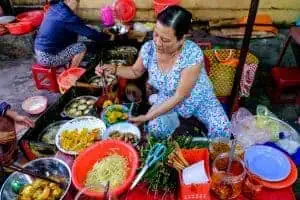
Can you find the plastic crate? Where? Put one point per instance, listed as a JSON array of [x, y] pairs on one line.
[[195, 191]]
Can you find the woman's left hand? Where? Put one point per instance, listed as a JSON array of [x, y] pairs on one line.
[[139, 119]]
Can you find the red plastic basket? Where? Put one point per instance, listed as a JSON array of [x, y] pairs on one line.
[[195, 191], [35, 17], [160, 5], [19, 28]]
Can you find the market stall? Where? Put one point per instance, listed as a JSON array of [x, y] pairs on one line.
[[84, 147]]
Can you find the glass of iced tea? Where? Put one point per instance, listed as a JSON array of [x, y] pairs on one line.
[[227, 185]]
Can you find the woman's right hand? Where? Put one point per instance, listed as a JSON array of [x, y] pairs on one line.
[[107, 68]]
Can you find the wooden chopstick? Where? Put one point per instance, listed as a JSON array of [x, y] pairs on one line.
[[30, 173]]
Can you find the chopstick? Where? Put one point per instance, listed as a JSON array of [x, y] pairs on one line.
[[30, 173], [105, 195]]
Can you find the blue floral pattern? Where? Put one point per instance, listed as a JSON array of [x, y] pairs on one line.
[[202, 102]]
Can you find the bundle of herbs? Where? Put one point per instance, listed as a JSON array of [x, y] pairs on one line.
[[161, 177]]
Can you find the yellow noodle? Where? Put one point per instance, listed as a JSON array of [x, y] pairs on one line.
[[112, 168]]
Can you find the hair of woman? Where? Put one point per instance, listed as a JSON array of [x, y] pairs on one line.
[[177, 18]]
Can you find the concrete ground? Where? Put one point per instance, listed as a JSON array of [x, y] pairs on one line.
[[17, 85]]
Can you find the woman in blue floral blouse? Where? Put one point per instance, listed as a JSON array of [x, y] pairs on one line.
[[176, 70]]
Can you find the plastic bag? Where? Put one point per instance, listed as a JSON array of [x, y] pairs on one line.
[[244, 127], [260, 128]]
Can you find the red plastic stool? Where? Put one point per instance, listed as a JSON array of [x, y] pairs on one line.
[[285, 78], [45, 78]]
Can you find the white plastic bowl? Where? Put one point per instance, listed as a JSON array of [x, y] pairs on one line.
[[35, 105]]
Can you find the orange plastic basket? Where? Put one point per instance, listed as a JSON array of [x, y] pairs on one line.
[[195, 191]]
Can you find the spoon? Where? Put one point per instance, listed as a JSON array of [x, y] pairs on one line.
[[231, 153]]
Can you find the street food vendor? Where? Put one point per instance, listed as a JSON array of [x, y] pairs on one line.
[[56, 42], [176, 70]]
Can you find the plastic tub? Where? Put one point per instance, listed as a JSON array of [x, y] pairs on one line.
[[160, 5], [19, 28], [86, 160], [34, 17]]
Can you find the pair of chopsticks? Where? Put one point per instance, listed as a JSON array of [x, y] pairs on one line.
[[31, 173]]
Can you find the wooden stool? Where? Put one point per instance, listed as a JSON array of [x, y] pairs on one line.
[[45, 78], [286, 78]]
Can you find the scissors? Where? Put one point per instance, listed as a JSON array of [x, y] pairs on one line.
[[155, 154]]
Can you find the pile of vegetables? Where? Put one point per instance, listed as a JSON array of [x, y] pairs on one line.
[[161, 177]]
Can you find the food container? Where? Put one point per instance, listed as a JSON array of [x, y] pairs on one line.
[[218, 146], [252, 186], [123, 128], [88, 122], [19, 28], [34, 17], [86, 160], [35, 105], [45, 166], [86, 110], [227, 185], [7, 19], [114, 114], [222, 145], [98, 81], [49, 133]]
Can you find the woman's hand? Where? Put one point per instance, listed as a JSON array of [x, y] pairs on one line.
[[107, 68], [139, 119], [20, 118]]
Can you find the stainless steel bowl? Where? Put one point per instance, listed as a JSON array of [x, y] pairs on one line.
[[65, 114], [49, 133], [45, 166]]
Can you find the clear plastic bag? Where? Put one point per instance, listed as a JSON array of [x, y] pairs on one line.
[[260, 128]]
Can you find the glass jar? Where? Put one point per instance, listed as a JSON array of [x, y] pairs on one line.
[[252, 186], [217, 146], [227, 185], [222, 145]]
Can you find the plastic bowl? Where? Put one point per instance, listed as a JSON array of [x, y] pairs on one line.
[[7, 19], [35, 105], [86, 160], [104, 116], [19, 28], [34, 17], [123, 127]]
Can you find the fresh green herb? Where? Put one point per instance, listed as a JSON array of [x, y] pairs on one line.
[[161, 177]]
